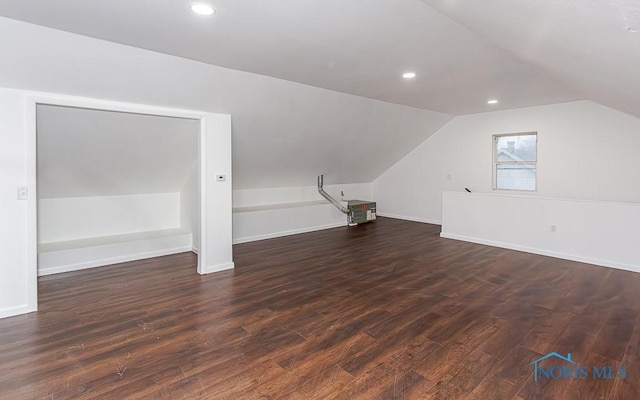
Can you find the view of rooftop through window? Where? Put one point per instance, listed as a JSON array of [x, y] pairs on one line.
[[515, 161]]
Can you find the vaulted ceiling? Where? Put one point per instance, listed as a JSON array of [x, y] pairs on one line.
[[590, 46], [464, 53], [360, 47]]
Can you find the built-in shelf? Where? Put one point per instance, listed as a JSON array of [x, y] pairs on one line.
[[273, 220], [277, 206], [102, 240], [72, 255]]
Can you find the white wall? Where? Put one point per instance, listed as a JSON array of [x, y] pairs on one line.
[[255, 197], [13, 213], [86, 152], [258, 224], [218, 206], [278, 212], [601, 233], [585, 151], [86, 217], [190, 206], [284, 133], [18, 267], [58, 257]]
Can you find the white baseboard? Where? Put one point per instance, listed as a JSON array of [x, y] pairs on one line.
[[219, 267], [543, 252], [111, 260], [271, 235], [13, 311], [195, 250], [406, 218]]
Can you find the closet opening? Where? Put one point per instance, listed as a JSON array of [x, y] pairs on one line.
[[121, 212], [114, 187]]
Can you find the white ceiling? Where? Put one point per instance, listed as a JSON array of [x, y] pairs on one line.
[[85, 152], [357, 46], [284, 133], [592, 46]]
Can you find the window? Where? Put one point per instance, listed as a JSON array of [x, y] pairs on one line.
[[514, 161]]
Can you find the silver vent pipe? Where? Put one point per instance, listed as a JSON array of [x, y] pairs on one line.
[[328, 196]]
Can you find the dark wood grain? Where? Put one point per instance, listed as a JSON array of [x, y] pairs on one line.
[[380, 311]]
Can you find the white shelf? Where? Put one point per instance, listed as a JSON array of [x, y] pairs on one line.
[[277, 206], [72, 255], [102, 240]]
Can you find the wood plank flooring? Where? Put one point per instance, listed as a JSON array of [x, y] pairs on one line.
[[382, 311]]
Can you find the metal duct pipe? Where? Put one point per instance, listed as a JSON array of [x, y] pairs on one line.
[[328, 197]]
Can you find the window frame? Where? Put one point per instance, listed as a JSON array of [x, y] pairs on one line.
[[496, 163]]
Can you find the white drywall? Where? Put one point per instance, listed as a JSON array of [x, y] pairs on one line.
[[217, 210], [259, 224], [86, 152], [601, 233], [284, 132], [190, 206], [57, 257], [267, 213], [257, 197], [18, 241], [585, 151], [13, 213], [86, 217]]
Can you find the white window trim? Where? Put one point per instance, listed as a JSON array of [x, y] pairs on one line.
[[496, 162]]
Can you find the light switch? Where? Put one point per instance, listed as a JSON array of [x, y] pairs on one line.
[[23, 193]]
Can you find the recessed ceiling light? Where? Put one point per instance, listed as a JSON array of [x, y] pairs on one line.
[[202, 9], [409, 75], [492, 102]]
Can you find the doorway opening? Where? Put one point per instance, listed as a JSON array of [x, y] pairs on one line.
[[114, 187], [136, 224]]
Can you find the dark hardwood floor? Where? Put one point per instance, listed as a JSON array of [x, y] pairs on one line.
[[382, 311]]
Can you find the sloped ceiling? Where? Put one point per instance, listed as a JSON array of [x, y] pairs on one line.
[[358, 46], [284, 133], [591, 46], [85, 152], [464, 52]]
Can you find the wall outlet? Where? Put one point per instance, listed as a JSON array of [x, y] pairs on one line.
[[554, 228]]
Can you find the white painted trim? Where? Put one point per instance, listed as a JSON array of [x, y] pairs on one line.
[[272, 235], [32, 99], [194, 249], [533, 250], [202, 190], [118, 106], [112, 260], [13, 311], [414, 219], [32, 205], [220, 267]]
